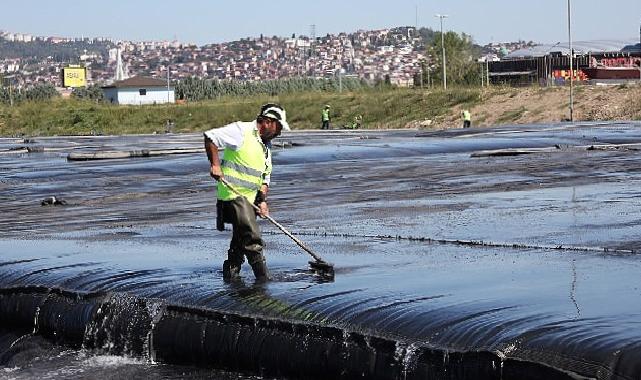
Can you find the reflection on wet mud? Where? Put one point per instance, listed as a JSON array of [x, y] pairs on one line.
[[447, 266]]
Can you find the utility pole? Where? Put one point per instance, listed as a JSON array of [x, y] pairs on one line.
[[312, 38], [487, 72], [443, 49], [547, 61], [9, 79], [571, 62], [168, 98]]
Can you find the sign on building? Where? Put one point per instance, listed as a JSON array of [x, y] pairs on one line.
[[74, 76]]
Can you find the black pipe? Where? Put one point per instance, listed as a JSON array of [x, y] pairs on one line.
[[119, 323]]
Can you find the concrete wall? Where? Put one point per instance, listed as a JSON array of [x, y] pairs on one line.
[[132, 96]]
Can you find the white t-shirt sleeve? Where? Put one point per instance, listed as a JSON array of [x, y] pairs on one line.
[[230, 136], [267, 177]]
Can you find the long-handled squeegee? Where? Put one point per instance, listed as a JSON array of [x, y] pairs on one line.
[[320, 266]]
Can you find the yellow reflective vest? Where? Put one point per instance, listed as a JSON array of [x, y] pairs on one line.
[[246, 168], [325, 115]]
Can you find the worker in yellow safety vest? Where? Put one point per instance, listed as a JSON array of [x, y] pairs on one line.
[[467, 119], [325, 117], [247, 166]]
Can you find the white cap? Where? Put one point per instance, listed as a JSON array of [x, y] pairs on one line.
[[276, 112]]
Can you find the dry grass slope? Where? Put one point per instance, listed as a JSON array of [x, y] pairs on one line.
[[380, 108]]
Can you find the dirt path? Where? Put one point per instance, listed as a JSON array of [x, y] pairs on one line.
[[541, 105]]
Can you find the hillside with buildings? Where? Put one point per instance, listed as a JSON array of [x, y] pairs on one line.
[[397, 56], [393, 54], [391, 58]]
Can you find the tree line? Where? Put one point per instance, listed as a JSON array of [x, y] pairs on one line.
[[39, 92], [195, 89]]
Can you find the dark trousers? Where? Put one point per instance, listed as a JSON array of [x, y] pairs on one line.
[[325, 124], [467, 124], [246, 238]]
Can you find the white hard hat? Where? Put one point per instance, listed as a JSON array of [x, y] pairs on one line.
[[275, 112]]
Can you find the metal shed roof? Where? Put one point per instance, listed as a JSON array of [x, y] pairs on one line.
[[581, 47], [138, 81]]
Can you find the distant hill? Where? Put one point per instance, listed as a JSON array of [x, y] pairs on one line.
[[391, 54], [38, 51], [68, 52]]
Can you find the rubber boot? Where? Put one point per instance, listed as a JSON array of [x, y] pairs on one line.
[[230, 271], [260, 271]]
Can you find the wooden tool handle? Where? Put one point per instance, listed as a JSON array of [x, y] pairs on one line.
[[274, 222]]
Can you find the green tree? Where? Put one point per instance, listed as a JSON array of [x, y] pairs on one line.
[[41, 92], [37, 93], [427, 35], [88, 93], [460, 54]]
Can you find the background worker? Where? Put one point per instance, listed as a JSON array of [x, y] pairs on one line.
[[247, 166], [358, 121], [467, 119], [325, 117]]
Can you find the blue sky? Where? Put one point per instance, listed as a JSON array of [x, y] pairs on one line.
[[202, 21]]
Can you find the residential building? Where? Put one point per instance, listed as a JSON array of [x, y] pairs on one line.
[[138, 91]]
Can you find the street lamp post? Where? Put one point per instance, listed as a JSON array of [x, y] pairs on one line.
[[571, 62], [9, 80], [548, 64], [487, 73], [168, 97], [443, 49]]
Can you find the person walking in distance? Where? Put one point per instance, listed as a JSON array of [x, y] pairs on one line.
[[467, 119], [247, 167], [325, 117]]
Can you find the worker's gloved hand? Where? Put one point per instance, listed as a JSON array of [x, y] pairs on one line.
[[261, 203], [216, 172], [264, 209]]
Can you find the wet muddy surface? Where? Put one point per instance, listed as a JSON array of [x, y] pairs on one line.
[[510, 262]]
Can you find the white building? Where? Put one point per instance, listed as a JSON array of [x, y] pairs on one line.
[[139, 91]]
